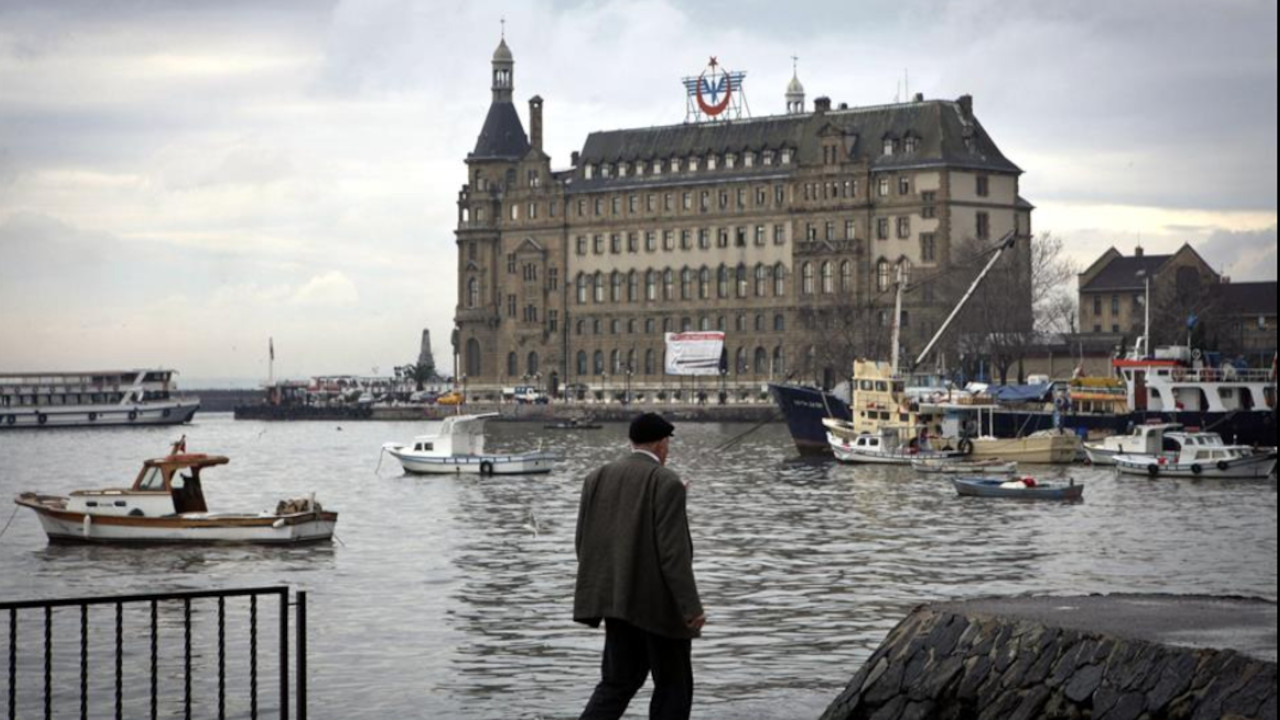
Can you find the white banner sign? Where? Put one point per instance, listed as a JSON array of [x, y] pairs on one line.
[[694, 353]]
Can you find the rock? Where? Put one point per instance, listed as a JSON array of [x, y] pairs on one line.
[[1032, 704], [1084, 684]]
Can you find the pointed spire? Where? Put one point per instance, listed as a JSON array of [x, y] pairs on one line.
[[795, 90]]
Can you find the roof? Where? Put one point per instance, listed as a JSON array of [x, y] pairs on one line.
[[1249, 298], [940, 127], [502, 53], [1122, 273], [502, 137]]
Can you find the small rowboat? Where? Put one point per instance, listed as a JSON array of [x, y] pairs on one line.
[[993, 466], [1021, 489]]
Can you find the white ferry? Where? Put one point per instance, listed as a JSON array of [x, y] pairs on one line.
[[92, 399]]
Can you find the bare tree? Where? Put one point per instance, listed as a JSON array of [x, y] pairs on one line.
[[1053, 287]]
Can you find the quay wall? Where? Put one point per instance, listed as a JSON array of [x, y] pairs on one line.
[[509, 412], [961, 662]]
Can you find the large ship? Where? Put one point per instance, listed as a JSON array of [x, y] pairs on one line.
[[106, 398]]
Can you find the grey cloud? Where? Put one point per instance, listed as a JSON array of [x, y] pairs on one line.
[[1243, 255]]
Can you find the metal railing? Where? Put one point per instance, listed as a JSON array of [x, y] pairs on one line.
[[146, 611]]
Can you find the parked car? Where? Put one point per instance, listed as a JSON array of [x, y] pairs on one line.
[[451, 398]]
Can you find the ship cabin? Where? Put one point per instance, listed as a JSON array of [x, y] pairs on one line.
[[1179, 379], [111, 387], [879, 401], [165, 486]]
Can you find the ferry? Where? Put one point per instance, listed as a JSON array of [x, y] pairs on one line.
[[98, 398]]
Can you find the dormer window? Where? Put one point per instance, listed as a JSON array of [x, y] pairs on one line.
[[768, 157], [786, 157], [605, 170], [888, 146], [711, 162], [749, 159], [639, 169], [622, 170], [693, 164], [589, 171], [730, 160], [675, 165], [910, 144], [657, 167]]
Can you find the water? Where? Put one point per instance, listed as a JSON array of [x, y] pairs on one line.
[[452, 598]]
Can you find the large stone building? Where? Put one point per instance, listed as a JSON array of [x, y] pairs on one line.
[[777, 230]]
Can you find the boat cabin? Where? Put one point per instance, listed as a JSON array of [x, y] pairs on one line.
[[1202, 448], [165, 486], [878, 401], [461, 435], [1179, 379]]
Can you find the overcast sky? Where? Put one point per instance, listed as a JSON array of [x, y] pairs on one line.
[[180, 181]]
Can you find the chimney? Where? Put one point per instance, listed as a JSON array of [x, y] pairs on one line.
[[535, 122], [822, 105], [966, 106], [919, 97], [1138, 252], [573, 158]]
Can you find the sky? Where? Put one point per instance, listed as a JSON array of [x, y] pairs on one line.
[[182, 181]]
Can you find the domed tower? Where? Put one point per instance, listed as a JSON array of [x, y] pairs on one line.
[[795, 93], [502, 136]]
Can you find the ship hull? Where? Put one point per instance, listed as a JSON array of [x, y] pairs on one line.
[[176, 412]]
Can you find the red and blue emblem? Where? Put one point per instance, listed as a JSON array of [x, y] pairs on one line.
[[712, 85]]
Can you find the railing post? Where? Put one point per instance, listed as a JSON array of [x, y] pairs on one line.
[[13, 664], [301, 699], [284, 654]]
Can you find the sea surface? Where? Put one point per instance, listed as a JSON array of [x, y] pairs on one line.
[[452, 597]]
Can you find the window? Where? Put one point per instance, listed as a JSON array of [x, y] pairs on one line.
[[582, 362], [651, 286], [741, 277], [615, 287], [511, 264], [887, 146], [850, 230], [983, 186], [882, 187], [882, 228], [599, 287], [779, 323], [473, 293], [722, 282], [882, 275], [686, 284], [615, 244], [633, 286], [704, 284], [779, 194], [742, 198], [553, 321], [722, 237], [633, 242], [686, 239], [1115, 304], [830, 229], [649, 362], [984, 226], [740, 235], [669, 285], [553, 278], [846, 277], [582, 289], [928, 247], [597, 364], [762, 281], [904, 185], [910, 143], [928, 198], [704, 239], [650, 241], [688, 201], [597, 244], [511, 306], [779, 234], [513, 365], [828, 279], [806, 279], [1097, 305], [904, 228], [779, 280]]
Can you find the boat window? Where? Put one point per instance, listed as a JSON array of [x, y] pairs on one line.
[[179, 482], [865, 385], [882, 386], [152, 480], [1170, 445]]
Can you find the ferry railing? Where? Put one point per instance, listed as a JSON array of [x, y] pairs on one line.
[[44, 666]]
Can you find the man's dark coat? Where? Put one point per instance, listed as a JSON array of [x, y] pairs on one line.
[[635, 554]]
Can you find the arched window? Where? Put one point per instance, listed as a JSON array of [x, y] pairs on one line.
[[779, 361], [779, 323], [513, 365], [762, 280], [473, 293], [595, 326], [686, 324], [651, 286], [760, 323], [779, 280], [669, 284], [648, 362], [904, 264], [882, 275], [828, 279], [740, 323], [582, 327], [741, 365], [599, 287], [742, 280], [633, 286], [631, 361], [473, 364], [704, 284], [762, 361], [846, 277], [806, 279], [615, 362], [686, 284], [598, 362], [582, 362], [615, 285], [533, 364], [582, 289], [704, 323], [722, 282]]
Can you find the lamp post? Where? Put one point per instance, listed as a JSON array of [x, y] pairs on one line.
[[606, 388], [627, 399], [724, 385]]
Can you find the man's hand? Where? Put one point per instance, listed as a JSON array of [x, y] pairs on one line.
[[698, 622]]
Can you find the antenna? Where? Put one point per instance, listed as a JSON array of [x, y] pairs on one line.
[[503, 21]]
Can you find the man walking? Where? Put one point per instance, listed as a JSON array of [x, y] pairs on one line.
[[635, 572]]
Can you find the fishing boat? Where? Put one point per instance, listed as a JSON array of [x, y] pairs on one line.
[[881, 448], [456, 446], [1020, 488], [98, 398], [1142, 440], [1200, 455], [989, 466], [166, 504]]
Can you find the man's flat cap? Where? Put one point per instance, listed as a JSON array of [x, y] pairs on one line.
[[650, 428]]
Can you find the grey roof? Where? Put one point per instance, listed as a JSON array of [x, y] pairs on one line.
[[502, 53], [502, 137], [1249, 298], [1122, 273], [939, 126]]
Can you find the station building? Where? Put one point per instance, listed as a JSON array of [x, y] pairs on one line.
[[771, 229]]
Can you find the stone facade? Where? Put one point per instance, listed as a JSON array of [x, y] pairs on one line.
[[775, 230]]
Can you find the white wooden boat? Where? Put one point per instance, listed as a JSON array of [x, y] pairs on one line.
[[1142, 440], [1200, 455], [986, 466], [99, 398], [166, 504], [882, 448], [456, 446]]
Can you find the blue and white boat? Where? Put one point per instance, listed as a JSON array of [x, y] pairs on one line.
[[456, 446]]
